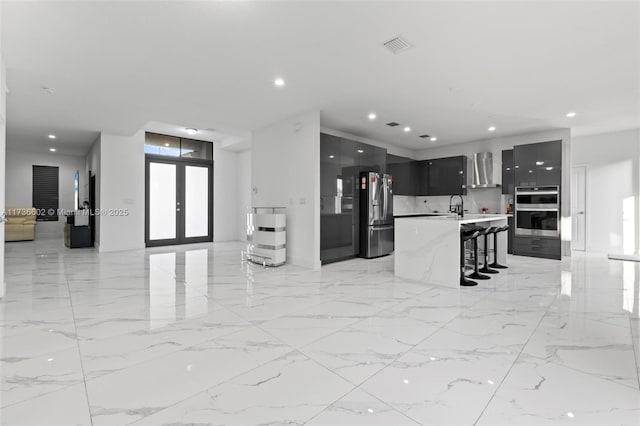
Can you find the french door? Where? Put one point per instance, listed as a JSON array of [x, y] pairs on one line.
[[179, 201]]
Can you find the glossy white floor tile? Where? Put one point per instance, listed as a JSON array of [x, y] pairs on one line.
[[190, 335]]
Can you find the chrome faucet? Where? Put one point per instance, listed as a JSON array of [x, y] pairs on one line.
[[458, 208]]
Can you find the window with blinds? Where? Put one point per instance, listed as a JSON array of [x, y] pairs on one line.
[[45, 192]]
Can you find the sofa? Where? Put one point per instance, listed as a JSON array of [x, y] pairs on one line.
[[21, 224]]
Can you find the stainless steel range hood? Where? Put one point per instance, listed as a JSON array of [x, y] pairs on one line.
[[481, 169]]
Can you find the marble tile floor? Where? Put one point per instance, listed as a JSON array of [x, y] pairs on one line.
[[190, 335]]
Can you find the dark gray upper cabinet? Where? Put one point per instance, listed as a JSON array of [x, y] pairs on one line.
[[405, 175], [549, 163], [538, 164], [441, 176], [508, 174], [447, 175], [423, 178]]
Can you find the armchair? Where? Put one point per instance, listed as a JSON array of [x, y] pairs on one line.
[[21, 224]]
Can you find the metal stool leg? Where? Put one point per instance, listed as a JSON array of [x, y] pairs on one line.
[[495, 263], [485, 268], [476, 275], [464, 282]]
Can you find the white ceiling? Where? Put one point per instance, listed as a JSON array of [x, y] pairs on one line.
[[118, 66]]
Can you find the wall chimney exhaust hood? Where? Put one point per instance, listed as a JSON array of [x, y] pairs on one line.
[[481, 168]]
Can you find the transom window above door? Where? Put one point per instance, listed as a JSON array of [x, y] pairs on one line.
[[171, 146]]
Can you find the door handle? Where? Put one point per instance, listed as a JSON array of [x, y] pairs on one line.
[[580, 212]]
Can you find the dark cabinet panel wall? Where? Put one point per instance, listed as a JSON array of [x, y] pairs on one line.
[[341, 161], [508, 175], [538, 164]]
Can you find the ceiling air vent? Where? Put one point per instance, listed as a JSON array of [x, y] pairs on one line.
[[423, 136], [393, 124], [397, 45]]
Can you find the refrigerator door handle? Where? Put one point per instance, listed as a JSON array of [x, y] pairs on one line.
[[381, 227]]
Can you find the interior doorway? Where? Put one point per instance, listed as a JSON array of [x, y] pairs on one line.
[[578, 207], [179, 201]]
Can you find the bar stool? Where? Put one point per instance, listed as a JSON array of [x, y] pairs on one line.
[[495, 263], [466, 234], [476, 275], [485, 268]]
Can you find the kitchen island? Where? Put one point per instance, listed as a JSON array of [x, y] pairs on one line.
[[427, 248]]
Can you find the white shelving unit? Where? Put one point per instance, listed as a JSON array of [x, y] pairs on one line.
[[267, 236]]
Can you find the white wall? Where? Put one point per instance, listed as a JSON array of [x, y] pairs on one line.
[[225, 194], [92, 164], [19, 183], [391, 149], [612, 209], [243, 202], [286, 172], [3, 122], [122, 186], [496, 146]]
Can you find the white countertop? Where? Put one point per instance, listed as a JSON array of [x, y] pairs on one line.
[[468, 218], [420, 214]]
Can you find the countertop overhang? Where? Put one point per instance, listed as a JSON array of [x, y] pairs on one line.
[[468, 218]]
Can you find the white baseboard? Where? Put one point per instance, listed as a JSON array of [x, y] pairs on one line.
[[627, 257]]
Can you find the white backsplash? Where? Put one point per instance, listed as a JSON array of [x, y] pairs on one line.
[[489, 198]]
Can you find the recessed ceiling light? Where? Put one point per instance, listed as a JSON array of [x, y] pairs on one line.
[[51, 136], [549, 168], [508, 168], [530, 171], [52, 149], [191, 131], [571, 114], [539, 163], [433, 139], [492, 129], [332, 156], [360, 151], [166, 144], [279, 82], [407, 129], [372, 116]]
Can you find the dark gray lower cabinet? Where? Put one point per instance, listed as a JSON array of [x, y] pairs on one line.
[[337, 237], [548, 248], [512, 223]]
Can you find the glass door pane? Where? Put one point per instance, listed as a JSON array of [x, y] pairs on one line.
[[162, 201], [196, 192]]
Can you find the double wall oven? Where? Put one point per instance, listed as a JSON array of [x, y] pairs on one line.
[[538, 211]]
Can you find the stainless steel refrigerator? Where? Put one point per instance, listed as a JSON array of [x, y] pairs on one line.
[[376, 214]]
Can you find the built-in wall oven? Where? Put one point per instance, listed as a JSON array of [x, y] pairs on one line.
[[538, 211]]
